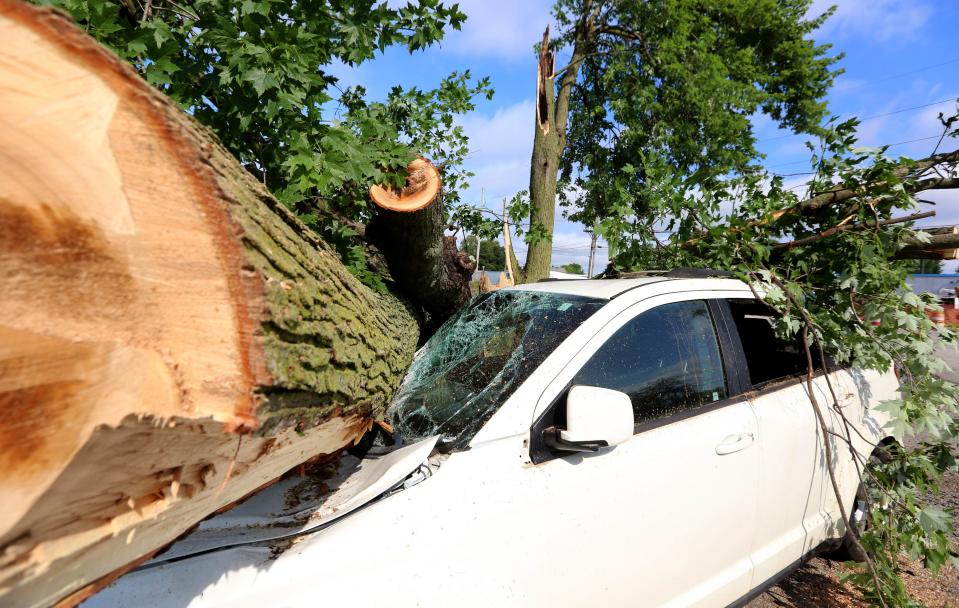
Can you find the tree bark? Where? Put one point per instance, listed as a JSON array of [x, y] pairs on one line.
[[423, 262], [549, 143], [171, 337], [938, 247]]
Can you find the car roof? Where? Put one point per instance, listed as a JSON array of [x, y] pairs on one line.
[[607, 289]]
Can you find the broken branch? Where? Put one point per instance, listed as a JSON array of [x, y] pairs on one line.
[[844, 227]]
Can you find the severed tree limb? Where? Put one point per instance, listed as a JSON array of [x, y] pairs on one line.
[[409, 230], [840, 195], [844, 227], [934, 249], [422, 261]]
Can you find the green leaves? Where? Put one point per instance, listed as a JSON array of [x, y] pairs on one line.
[[934, 519], [261, 80], [665, 95]]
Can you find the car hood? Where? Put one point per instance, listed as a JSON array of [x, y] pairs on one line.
[[295, 506]]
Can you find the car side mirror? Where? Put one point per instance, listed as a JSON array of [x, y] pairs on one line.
[[595, 418]]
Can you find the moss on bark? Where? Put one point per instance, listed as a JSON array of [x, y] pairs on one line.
[[332, 346]]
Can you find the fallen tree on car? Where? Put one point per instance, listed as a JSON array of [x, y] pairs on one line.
[[171, 337]]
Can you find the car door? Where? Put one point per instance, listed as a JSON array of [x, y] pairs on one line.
[[790, 520], [666, 518]]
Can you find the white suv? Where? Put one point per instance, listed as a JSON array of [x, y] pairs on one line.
[[641, 442]]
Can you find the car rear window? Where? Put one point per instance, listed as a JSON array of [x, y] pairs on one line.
[[769, 357]]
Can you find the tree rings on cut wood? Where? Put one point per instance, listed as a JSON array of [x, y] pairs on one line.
[[422, 187]]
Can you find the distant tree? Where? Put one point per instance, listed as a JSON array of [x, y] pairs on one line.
[[925, 267], [573, 268], [492, 254]]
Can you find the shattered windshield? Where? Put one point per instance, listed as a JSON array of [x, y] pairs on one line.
[[468, 369]]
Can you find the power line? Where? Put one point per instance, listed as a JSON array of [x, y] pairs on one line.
[[872, 117], [917, 70], [898, 143]]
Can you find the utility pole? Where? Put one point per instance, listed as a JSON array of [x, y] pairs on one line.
[[592, 253]]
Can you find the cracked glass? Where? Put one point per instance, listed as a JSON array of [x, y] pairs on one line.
[[478, 358]]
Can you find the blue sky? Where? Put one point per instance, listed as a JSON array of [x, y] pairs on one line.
[[900, 54]]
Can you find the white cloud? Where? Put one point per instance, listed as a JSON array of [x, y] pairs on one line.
[[508, 132], [881, 20], [570, 244], [500, 149], [501, 29], [845, 84]]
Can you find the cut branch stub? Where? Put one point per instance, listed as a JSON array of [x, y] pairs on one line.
[[422, 187]]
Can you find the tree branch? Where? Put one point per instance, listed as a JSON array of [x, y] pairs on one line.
[[844, 227], [851, 532], [930, 250], [615, 30], [839, 195]]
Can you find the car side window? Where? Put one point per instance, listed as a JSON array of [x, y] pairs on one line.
[[768, 357], [666, 359]]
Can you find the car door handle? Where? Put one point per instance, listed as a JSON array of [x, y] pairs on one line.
[[734, 443]]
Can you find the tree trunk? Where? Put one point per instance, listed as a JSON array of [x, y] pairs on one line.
[[549, 143], [171, 337], [423, 262], [542, 193]]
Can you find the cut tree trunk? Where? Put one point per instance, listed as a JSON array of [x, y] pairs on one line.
[[171, 337], [422, 261], [409, 230]]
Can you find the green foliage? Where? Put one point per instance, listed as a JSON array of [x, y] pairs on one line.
[[573, 268], [902, 524], [666, 91], [519, 210], [848, 289], [492, 255], [258, 73]]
